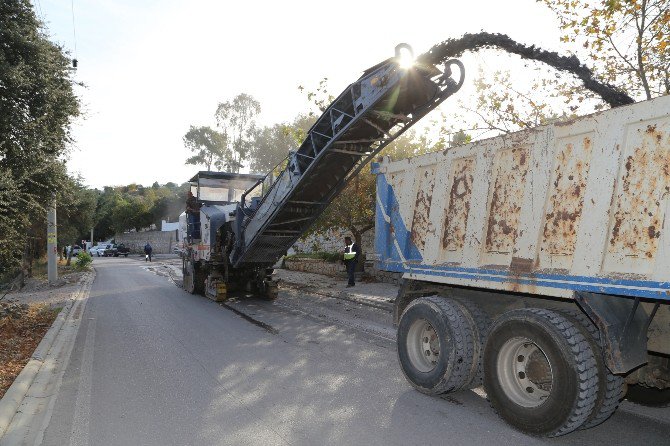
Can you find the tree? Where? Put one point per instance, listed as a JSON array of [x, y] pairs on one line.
[[38, 106], [502, 104], [272, 144], [627, 40], [135, 207], [354, 208], [237, 120], [208, 147], [76, 207]]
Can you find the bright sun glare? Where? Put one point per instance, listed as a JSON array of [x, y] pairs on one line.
[[405, 55]]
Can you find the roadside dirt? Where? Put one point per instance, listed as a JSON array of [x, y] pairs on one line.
[[25, 317], [474, 42], [22, 327]]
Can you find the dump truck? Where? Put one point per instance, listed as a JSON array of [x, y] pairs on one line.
[[536, 263], [237, 226]]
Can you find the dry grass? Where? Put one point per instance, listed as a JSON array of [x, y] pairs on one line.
[[19, 336]]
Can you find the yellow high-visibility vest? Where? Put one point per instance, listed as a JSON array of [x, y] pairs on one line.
[[351, 254]]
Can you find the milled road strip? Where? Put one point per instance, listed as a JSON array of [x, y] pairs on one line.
[[26, 408]]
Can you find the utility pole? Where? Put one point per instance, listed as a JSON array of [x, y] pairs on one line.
[[52, 248], [92, 238]]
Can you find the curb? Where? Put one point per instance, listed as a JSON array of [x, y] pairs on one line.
[[344, 295], [14, 396]]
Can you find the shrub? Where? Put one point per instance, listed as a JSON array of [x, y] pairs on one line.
[[84, 259]]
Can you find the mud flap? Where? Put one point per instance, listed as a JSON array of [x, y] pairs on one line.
[[623, 325]]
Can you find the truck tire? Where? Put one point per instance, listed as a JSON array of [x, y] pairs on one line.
[[435, 345], [540, 372], [271, 291], [611, 387], [480, 323], [194, 280]]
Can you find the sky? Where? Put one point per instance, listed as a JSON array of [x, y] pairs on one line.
[[153, 68]]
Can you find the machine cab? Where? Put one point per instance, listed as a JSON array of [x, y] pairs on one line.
[[221, 187], [214, 195]]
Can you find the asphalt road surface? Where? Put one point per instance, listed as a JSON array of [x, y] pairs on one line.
[[153, 365]]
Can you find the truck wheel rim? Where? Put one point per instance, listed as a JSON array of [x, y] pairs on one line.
[[524, 372], [423, 345]]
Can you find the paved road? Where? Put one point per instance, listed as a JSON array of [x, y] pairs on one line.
[[153, 365]]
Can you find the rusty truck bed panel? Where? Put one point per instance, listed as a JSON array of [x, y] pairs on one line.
[[552, 210]]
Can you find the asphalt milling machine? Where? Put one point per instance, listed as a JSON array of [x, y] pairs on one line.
[[237, 226]]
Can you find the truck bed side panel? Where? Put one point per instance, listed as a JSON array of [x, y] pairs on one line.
[[553, 210]]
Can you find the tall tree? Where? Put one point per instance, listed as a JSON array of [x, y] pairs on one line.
[[272, 144], [627, 40], [37, 106], [626, 43], [237, 120], [208, 146]]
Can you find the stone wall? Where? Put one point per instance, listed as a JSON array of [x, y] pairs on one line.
[[317, 266], [384, 276], [161, 242], [333, 241], [337, 269]]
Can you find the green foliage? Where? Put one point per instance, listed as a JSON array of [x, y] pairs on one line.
[[272, 144], [84, 260], [627, 41], [38, 105], [208, 146], [75, 211], [237, 121], [128, 207]]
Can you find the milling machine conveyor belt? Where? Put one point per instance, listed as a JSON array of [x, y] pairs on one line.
[[368, 115]]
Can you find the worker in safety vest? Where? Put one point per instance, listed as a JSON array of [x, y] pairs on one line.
[[351, 254]]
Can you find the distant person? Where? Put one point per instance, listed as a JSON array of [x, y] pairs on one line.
[[192, 205], [147, 252], [351, 254]]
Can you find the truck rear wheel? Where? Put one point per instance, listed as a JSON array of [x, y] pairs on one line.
[[480, 323], [610, 386], [540, 372], [435, 345]]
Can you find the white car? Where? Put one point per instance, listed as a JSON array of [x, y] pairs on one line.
[[99, 250]]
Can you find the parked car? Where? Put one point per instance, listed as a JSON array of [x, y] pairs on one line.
[[76, 249], [99, 250], [117, 250]]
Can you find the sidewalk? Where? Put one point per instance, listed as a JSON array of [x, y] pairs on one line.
[[374, 294], [25, 409]]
